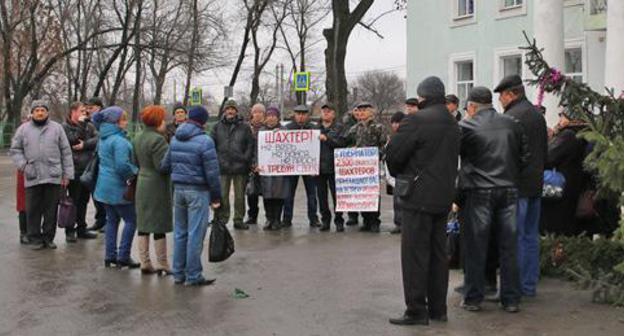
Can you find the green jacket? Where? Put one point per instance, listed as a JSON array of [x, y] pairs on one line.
[[153, 194]]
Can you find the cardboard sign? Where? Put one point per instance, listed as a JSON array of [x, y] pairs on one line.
[[288, 153], [357, 179]]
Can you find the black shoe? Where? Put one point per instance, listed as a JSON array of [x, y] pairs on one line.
[[324, 227], [178, 281], [128, 263], [70, 237], [439, 318], [365, 228], [96, 227], [286, 223], [471, 307], [273, 226], [24, 239], [110, 263], [202, 282], [36, 246], [407, 320], [86, 235], [340, 228], [241, 226], [102, 229], [251, 221], [511, 308], [352, 222], [315, 223], [375, 228], [396, 230], [50, 245]]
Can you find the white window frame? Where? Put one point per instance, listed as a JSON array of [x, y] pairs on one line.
[[456, 20], [578, 43], [501, 53], [511, 11], [454, 59]]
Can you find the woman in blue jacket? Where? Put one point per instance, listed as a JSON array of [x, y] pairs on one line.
[[115, 171], [194, 168]]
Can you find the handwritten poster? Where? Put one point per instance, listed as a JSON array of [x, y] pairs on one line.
[[357, 179], [283, 152]]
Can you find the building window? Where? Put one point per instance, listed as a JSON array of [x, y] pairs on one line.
[[464, 79], [597, 7], [465, 8], [574, 64], [512, 3], [511, 65]]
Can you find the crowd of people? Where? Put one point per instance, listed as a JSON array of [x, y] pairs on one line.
[[485, 165]]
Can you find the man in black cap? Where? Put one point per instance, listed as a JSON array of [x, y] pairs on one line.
[[422, 156], [301, 121], [513, 99], [92, 106], [452, 104], [332, 137], [411, 106], [488, 182]]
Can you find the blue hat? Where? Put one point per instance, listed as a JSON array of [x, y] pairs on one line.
[[198, 114], [109, 115]]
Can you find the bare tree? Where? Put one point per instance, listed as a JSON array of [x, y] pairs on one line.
[[384, 89]]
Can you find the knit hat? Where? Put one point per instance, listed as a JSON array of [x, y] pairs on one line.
[[231, 103], [39, 103], [179, 107], [274, 111], [109, 115], [198, 114], [430, 88]]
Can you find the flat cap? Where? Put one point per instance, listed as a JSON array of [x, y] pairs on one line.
[[509, 82], [301, 109], [363, 104], [328, 106], [481, 95], [411, 101]]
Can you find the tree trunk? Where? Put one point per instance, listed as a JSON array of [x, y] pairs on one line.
[[137, 79], [191, 61]]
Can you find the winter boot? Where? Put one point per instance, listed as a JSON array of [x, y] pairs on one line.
[[144, 255], [163, 268]]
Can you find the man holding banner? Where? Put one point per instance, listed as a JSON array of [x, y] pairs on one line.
[[368, 133]]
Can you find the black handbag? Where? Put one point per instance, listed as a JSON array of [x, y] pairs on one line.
[[90, 174], [253, 187], [221, 243]]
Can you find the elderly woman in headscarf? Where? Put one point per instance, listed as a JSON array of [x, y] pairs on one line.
[[116, 170]]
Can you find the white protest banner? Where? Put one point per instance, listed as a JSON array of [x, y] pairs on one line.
[[282, 152], [357, 179]]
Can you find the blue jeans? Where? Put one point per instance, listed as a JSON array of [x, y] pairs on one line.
[[192, 211], [114, 213], [310, 183], [529, 210], [490, 214]]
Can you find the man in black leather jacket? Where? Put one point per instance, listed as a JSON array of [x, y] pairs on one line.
[[494, 152], [423, 155]]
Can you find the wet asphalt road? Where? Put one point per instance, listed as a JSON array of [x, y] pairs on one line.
[[300, 282]]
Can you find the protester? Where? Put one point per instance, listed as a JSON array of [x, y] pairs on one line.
[[275, 189], [302, 122], [256, 122], [192, 162], [411, 106], [513, 99], [368, 133], [92, 106], [83, 138], [494, 151], [349, 120], [423, 156], [116, 170], [235, 146], [452, 105], [331, 138], [395, 122], [566, 154], [153, 198], [46, 169], [179, 116]]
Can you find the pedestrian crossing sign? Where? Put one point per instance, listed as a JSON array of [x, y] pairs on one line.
[[302, 81], [196, 97]]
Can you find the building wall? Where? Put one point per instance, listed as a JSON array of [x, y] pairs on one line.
[[435, 41]]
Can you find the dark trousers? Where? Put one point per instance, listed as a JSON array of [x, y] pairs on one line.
[[100, 213], [273, 209], [327, 182], [490, 211], [252, 206], [80, 195], [42, 202], [310, 183], [353, 216], [397, 211], [22, 223], [424, 263]]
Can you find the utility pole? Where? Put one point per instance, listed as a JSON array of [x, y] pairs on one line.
[[282, 91], [175, 88]]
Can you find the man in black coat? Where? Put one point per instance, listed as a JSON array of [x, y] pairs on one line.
[[494, 152], [235, 149], [83, 138], [331, 138], [516, 105], [423, 157], [301, 121]]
